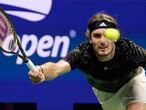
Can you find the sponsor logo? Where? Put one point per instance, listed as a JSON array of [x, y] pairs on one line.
[[33, 10], [102, 24]]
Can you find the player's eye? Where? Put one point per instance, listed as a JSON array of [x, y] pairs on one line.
[[97, 35]]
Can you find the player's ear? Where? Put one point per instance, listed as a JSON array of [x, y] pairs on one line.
[[87, 34]]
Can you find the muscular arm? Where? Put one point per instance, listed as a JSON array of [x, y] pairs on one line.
[[49, 71], [52, 70]]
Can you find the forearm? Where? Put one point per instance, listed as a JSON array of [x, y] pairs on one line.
[[52, 70], [48, 70]]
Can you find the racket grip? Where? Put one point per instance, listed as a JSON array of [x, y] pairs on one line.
[[30, 65]]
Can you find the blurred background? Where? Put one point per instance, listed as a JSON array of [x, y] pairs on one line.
[[48, 30]]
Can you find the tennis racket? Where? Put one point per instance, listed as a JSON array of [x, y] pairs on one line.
[[9, 41]]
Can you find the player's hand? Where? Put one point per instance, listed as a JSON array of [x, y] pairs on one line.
[[37, 76]]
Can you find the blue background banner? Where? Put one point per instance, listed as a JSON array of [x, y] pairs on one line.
[[48, 30]]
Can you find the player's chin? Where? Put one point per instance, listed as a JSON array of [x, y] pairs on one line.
[[103, 52]]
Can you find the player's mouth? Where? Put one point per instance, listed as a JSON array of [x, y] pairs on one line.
[[102, 47]]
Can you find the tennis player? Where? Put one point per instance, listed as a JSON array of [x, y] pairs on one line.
[[114, 69]]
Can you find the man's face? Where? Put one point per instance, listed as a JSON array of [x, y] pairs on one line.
[[101, 45]]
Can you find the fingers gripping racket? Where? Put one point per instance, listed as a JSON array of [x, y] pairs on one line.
[[9, 40]]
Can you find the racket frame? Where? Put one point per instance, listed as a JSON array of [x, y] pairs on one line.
[[24, 57]]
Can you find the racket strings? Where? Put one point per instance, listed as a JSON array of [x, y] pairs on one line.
[[4, 27], [7, 40], [8, 37]]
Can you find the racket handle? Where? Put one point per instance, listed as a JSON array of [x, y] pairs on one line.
[[30, 65]]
